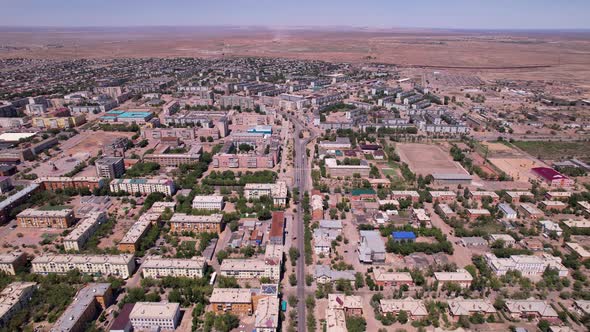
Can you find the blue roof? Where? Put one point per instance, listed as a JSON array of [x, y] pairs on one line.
[[403, 235]]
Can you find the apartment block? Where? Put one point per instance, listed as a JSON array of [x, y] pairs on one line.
[[10, 262], [87, 305], [143, 186], [392, 279], [175, 159], [255, 268], [336, 170], [528, 265], [352, 305], [460, 277], [61, 182], [130, 242], [116, 265], [157, 267], [13, 298], [84, 230], [155, 316], [528, 210], [466, 307], [251, 160], [278, 191], [181, 222], [211, 202], [110, 167], [237, 301], [266, 316], [45, 218], [416, 309]]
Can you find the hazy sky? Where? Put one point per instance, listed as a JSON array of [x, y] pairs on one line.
[[468, 14]]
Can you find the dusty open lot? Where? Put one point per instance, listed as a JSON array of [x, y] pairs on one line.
[[424, 159], [517, 168]]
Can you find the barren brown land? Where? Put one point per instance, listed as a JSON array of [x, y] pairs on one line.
[[534, 55]]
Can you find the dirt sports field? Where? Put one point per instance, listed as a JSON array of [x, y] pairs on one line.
[[424, 159], [513, 162]]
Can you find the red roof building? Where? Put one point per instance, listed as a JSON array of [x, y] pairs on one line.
[[552, 177], [277, 227]]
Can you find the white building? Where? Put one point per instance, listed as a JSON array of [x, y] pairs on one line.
[[157, 267], [84, 230], [143, 186], [211, 202], [150, 315], [116, 265], [277, 191], [549, 227], [528, 265], [9, 262], [255, 268]]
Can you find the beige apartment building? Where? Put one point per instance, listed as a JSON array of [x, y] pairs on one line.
[[278, 191], [45, 218], [10, 262], [13, 298], [198, 224], [121, 266], [157, 267], [83, 231]]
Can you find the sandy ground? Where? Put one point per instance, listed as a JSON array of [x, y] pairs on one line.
[[427, 159], [517, 168]]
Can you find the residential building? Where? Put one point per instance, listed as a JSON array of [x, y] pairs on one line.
[[578, 249], [211, 202], [549, 227], [181, 222], [473, 241], [78, 182], [420, 217], [5, 184], [528, 265], [13, 298], [277, 228], [166, 159], [155, 315], [558, 195], [473, 214], [266, 316], [76, 239], [443, 196], [466, 307], [582, 307], [255, 268], [371, 247], [460, 277], [416, 309], [121, 266], [277, 191], [446, 210], [507, 211], [110, 167], [480, 195], [336, 170], [508, 240], [237, 301], [87, 305], [516, 196], [45, 218], [553, 205], [335, 321], [157, 267], [317, 207], [531, 308], [143, 186], [528, 210], [352, 305], [385, 278], [324, 274], [571, 223], [130, 242], [58, 122], [10, 262]]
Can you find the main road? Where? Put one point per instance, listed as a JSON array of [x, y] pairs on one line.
[[302, 174]]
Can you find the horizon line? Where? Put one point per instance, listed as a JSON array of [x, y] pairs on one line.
[[287, 27]]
